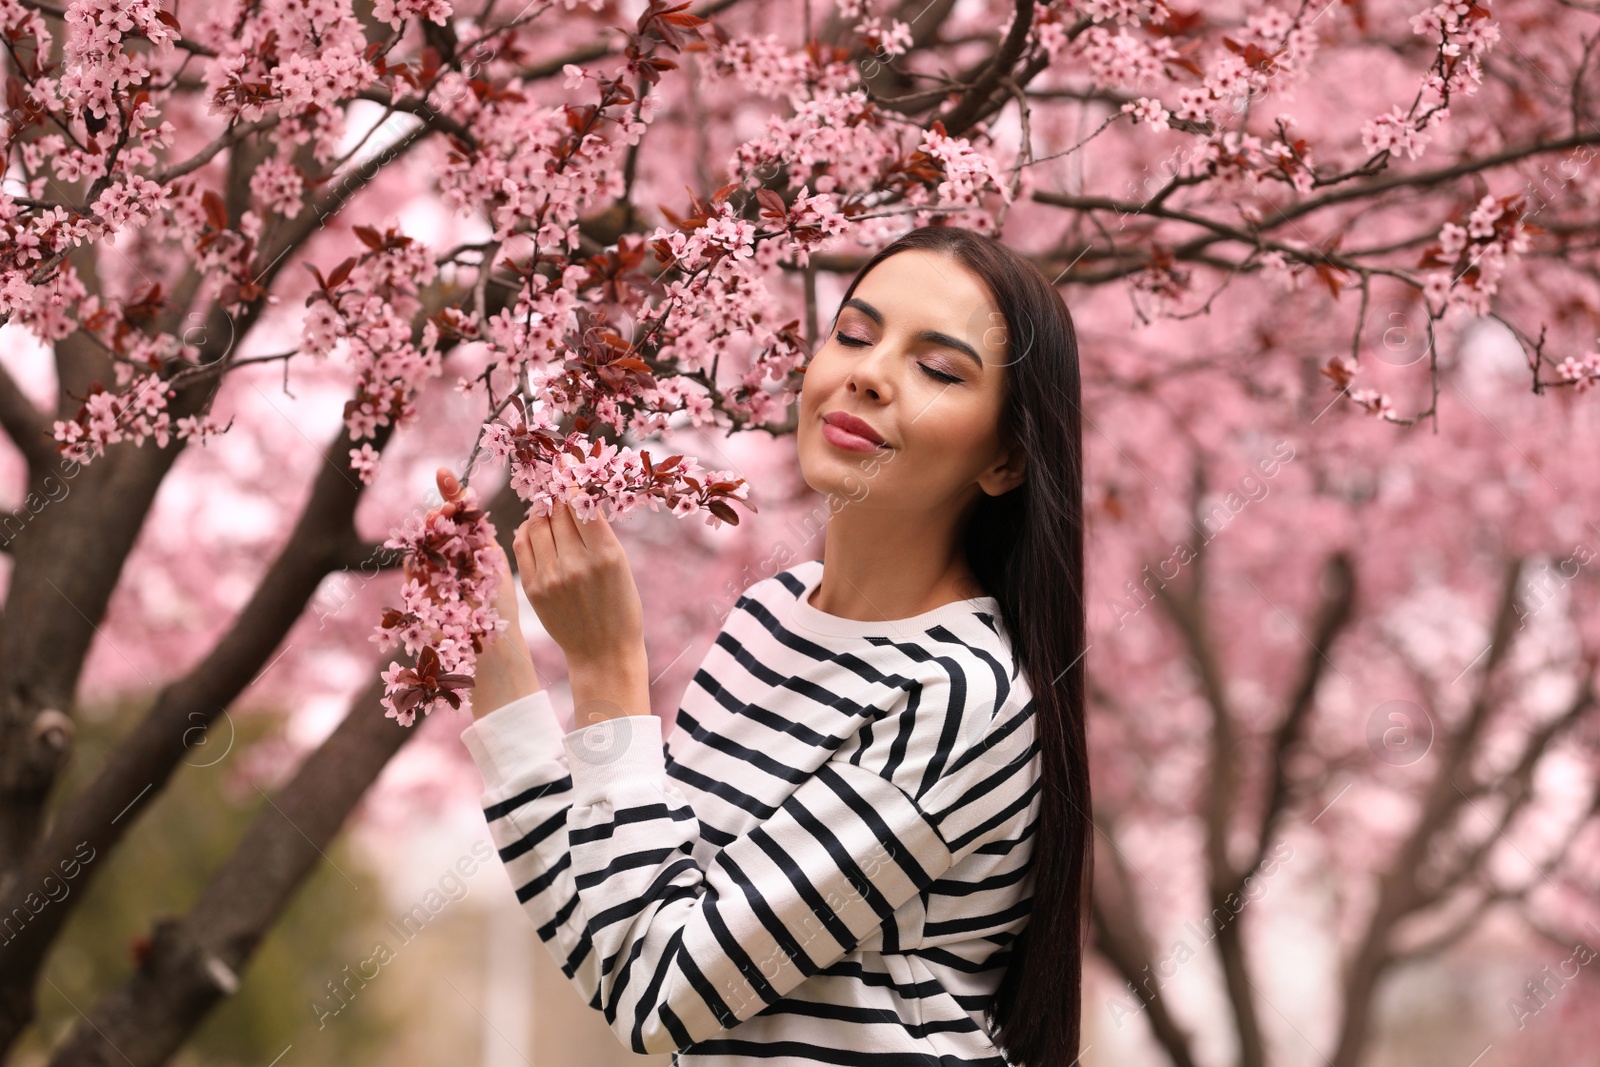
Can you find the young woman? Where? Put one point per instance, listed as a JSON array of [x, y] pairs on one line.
[[867, 840]]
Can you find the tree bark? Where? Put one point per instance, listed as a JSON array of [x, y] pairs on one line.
[[138, 769], [194, 961]]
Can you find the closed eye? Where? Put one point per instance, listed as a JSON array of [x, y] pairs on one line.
[[940, 376]]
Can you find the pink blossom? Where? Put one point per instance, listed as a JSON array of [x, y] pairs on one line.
[[1436, 288], [966, 171], [1393, 132], [277, 184], [364, 461], [107, 418], [395, 12], [1452, 239], [1124, 11], [893, 41], [1148, 110], [447, 608]]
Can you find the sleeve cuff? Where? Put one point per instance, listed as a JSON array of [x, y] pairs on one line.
[[626, 749], [514, 740]]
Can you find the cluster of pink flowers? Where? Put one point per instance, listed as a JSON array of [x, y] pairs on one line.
[[446, 609], [1149, 111], [528, 176], [1270, 55], [369, 302], [694, 316], [830, 143], [106, 418], [1466, 33], [25, 243], [1375, 403], [1342, 370], [707, 334], [1584, 371], [1470, 259], [98, 70], [1121, 60], [1129, 12], [770, 69], [967, 171], [298, 59], [279, 186], [1398, 132], [606, 478], [395, 12], [893, 40]]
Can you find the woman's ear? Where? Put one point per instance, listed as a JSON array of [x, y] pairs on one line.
[[1007, 474]]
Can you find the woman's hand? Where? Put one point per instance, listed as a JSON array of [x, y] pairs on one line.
[[504, 670], [577, 578]]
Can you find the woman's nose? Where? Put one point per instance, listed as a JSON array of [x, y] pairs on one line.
[[871, 372]]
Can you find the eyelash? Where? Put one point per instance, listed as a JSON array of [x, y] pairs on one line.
[[939, 376]]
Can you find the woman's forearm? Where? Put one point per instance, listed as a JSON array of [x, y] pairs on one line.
[[504, 673]]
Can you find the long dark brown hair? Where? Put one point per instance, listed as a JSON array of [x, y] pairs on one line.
[[1026, 547]]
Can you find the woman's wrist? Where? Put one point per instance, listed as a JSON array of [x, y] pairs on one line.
[[605, 687], [504, 673]]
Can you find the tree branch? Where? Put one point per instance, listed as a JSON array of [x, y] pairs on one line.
[[194, 961], [1333, 615], [26, 425], [1518, 783], [137, 770], [1398, 893], [969, 108], [1122, 938]]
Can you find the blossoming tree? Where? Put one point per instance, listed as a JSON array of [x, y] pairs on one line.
[[632, 220]]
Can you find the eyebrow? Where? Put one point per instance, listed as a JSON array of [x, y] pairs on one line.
[[931, 336]]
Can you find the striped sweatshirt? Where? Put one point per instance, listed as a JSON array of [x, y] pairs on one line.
[[827, 861]]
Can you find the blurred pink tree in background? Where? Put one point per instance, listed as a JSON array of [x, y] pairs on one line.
[[1333, 267]]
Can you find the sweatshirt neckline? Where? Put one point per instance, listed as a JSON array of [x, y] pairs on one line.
[[815, 620]]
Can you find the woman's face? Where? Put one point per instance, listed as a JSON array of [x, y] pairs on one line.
[[919, 354]]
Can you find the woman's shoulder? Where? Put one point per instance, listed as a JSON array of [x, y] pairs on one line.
[[779, 590]]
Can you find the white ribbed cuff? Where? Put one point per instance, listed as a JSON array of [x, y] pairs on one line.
[[623, 749], [514, 740]]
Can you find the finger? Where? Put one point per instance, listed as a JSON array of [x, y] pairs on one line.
[[596, 531], [542, 541], [567, 532], [527, 566], [449, 486]]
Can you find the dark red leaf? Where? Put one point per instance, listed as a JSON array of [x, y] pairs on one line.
[[341, 273], [772, 202], [216, 210]]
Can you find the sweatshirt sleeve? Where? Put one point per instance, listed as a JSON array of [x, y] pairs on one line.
[[527, 791], [684, 952]]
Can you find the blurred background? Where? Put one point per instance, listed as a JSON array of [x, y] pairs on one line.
[[1342, 520]]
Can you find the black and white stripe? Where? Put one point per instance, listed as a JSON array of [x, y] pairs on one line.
[[827, 860]]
